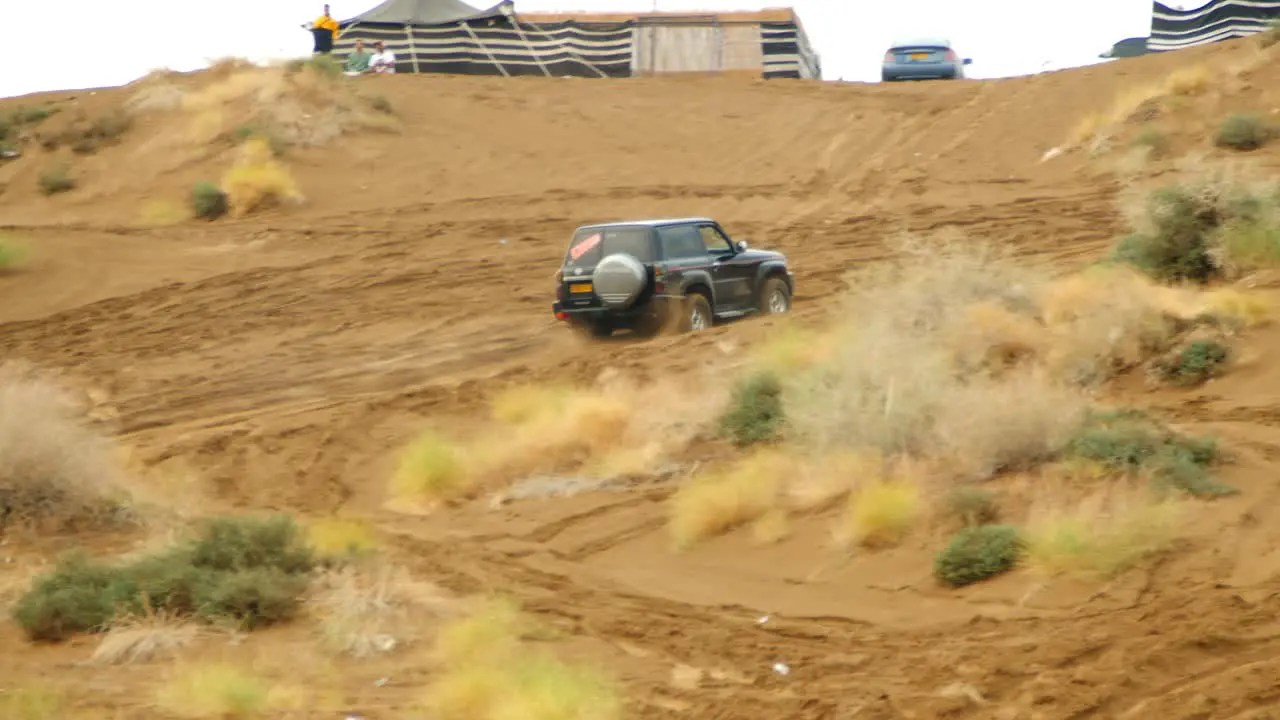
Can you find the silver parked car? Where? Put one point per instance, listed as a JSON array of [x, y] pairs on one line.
[[922, 59]]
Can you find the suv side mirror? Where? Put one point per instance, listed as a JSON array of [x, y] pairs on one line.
[[968, 61], [740, 246]]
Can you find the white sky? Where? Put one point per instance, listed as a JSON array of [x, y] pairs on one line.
[[1004, 37]]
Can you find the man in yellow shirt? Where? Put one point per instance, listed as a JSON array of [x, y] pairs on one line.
[[325, 30]]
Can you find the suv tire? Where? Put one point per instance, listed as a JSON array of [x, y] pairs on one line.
[[697, 313], [774, 297]]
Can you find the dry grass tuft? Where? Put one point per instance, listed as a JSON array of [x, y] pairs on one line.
[[141, 639], [714, 503], [218, 690], [1102, 536], [1190, 80], [1239, 308], [881, 513], [338, 538], [368, 611], [488, 673], [57, 472], [257, 180], [163, 213], [34, 703], [941, 360], [432, 471]]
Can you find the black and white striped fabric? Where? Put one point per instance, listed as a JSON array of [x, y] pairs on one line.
[[511, 46], [498, 46], [1216, 21]]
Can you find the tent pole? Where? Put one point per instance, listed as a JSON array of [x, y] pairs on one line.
[[536, 57], [408, 31], [569, 48], [484, 47]]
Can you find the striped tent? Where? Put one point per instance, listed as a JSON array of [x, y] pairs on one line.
[[1215, 21], [448, 36]]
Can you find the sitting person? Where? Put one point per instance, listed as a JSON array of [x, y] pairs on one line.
[[358, 60], [384, 61]]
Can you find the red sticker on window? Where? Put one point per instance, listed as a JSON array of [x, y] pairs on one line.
[[583, 247]]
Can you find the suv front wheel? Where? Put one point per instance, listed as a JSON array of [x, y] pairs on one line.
[[774, 297]]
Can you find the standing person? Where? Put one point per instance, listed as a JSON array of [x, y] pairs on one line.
[[384, 61], [325, 31]]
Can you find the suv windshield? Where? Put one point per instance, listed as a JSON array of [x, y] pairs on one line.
[[589, 245]]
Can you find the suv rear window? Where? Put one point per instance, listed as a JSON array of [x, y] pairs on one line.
[[590, 244]]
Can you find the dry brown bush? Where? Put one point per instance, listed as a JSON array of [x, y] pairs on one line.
[[56, 472], [372, 609]]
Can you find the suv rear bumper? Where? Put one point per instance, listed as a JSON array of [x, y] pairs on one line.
[[655, 306]]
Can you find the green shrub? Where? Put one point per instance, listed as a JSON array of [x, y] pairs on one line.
[[11, 254], [1154, 139], [208, 200], [240, 543], [1129, 441], [56, 179], [1243, 132], [972, 505], [1252, 244], [324, 65], [31, 116], [251, 572], [1198, 362], [978, 553], [1190, 230], [755, 411]]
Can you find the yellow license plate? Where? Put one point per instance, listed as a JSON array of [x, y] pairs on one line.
[[580, 287], [919, 56]]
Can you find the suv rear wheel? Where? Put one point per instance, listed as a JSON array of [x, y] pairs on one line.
[[697, 312]]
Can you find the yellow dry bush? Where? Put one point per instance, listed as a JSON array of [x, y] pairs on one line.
[[33, 703], [1100, 539], [585, 426], [816, 482], [992, 337], [489, 674], [1239, 308], [881, 513], [1106, 319], [791, 349], [337, 538], [431, 471], [1190, 80], [257, 180], [771, 527], [527, 403], [163, 213], [712, 504], [217, 690]]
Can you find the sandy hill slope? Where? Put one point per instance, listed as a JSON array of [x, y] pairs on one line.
[[279, 357]]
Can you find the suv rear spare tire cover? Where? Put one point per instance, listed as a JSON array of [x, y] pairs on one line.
[[619, 278]]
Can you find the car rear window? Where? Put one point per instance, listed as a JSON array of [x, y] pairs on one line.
[[589, 245]]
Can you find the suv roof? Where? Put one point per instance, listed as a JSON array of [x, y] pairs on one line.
[[922, 42], [653, 222]]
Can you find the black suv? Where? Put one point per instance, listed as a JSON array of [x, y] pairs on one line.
[[641, 274]]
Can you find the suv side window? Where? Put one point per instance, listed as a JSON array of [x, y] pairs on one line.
[[714, 241], [680, 242]]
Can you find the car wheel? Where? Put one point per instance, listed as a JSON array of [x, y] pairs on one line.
[[774, 297], [697, 313]]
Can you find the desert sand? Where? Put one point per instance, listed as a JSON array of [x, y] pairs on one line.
[[280, 359]]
